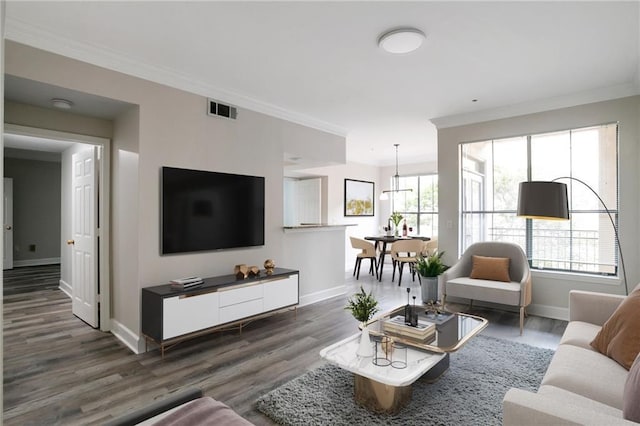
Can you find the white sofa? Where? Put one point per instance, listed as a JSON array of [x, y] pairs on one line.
[[581, 386]]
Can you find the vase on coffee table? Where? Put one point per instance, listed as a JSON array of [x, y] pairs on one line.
[[365, 349]]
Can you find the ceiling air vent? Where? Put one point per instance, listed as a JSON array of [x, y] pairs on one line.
[[222, 110]]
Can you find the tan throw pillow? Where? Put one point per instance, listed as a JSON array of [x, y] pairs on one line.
[[631, 394], [619, 338], [490, 268]]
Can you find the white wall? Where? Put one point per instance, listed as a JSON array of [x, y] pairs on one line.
[[365, 225], [550, 290], [125, 217], [318, 253]]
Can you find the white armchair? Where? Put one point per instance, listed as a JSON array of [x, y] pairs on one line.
[[456, 281]]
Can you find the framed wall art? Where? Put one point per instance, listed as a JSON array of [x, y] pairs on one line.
[[358, 197]]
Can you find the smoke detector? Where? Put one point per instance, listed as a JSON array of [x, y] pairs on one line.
[[61, 103]]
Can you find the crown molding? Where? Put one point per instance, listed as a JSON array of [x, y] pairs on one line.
[[25, 33], [539, 105]]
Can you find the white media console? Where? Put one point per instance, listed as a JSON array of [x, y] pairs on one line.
[[170, 316]]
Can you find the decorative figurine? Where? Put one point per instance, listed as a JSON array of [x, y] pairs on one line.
[[241, 271], [254, 271], [387, 345], [269, 264]]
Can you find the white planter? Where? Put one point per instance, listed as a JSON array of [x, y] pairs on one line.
[[365, 350]]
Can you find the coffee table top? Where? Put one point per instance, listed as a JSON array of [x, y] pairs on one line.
[[343, 354], [453, 330]]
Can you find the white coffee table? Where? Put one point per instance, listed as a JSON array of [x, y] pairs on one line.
[[382, 389], [343, 354], [388, 389]]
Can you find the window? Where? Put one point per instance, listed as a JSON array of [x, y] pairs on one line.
[[418, 207], [490, 174]]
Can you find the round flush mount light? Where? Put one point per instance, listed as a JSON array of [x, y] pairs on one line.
[[402, 40], [61, 103]]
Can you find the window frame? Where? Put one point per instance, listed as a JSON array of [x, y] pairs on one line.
[[528, 229], [420, 213]]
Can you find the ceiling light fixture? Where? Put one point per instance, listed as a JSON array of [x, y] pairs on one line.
[[402, 40], [61, 103], [395, 183]]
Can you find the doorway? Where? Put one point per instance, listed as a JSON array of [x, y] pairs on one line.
[[88, 287]]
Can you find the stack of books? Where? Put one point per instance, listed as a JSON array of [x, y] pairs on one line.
[[424, 332], [185, 283]]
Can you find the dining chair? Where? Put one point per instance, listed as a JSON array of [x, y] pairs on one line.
[[368, 251], [403, 252], [430, 247]]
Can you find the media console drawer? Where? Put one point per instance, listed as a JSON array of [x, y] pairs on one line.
[[186, 314], [235, 295], [240, 310], [281, 292], [170, 316]]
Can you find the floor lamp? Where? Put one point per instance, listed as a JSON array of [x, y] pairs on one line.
[[548, 200]]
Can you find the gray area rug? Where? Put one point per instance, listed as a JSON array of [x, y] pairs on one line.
[[469, 393]]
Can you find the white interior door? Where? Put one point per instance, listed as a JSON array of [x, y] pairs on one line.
[[84, 242], [7, 229]]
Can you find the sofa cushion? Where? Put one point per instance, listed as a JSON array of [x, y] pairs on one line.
[[203, 411], [490, 291], [490, 268], [631, 398], [574, 401], [619, 338], [587, 373], [579, 333]]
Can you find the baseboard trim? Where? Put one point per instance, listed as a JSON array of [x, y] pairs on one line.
[[66, 288], [36, 262], [128, 337], [547, 311], [319, 296]]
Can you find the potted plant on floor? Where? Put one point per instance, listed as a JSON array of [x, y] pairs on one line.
[[363, 306], [430, 267]]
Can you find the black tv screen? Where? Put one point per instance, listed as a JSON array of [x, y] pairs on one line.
[[204, 210]]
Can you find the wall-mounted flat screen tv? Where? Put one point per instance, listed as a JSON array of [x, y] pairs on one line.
[[204, 210]]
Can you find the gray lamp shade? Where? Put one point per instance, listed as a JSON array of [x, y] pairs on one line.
[[543, 200]]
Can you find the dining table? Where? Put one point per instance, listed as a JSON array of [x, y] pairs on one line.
[[381, 242]]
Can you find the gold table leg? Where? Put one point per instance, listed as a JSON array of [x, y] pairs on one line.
[[379, 397]]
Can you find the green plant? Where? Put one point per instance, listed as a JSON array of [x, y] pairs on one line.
[[396, 218], [431, 266], [362, 305]]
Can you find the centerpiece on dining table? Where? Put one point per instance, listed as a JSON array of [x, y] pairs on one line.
[[395, 218]]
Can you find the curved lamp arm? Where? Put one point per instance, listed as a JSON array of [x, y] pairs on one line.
[[615, 228]]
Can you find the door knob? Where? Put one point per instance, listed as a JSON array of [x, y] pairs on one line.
[[70, 242], [8, 227]]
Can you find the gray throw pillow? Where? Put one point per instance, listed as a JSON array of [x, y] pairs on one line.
[[631, 395]]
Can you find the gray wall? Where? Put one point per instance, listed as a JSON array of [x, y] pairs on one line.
[[173, 129], [32, 116], [551, 290], [36, 210]]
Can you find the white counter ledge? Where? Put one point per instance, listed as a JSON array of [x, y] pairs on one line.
[[313, 227]]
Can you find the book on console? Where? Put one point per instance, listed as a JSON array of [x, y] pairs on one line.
[[184, 283]]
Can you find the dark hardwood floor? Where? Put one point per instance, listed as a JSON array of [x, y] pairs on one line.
[[58, 370]]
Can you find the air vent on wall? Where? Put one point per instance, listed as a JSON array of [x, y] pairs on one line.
[[221, 110]]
